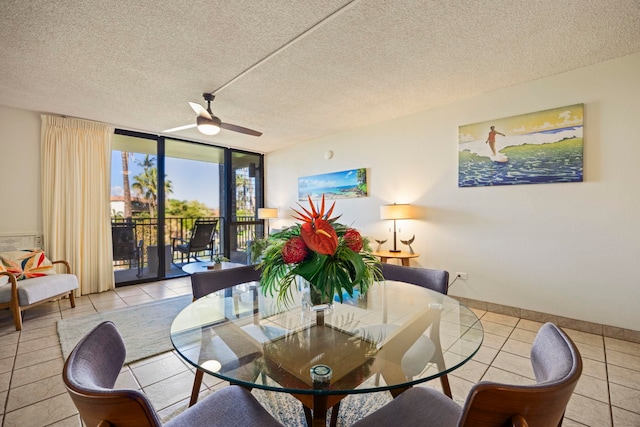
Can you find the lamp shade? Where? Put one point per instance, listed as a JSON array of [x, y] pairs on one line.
[[266, 213], [396, 211]]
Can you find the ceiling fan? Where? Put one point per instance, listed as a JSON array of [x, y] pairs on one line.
[[209, 124]]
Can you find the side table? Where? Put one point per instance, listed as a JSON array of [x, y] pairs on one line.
[[402, 256]]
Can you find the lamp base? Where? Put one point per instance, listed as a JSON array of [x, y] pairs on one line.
[[395, 251]]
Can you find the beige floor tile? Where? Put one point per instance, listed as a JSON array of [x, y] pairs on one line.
[[580, 337], [73, 421], [486, 355], [625, 360], [517, 347], [3, 400], [36, 334], [42, 413], [471, 371], [529, 325], [622, 346], [28, 394], [593, 388], [594, 368], [523, 335], [126, 379], [589, 412], [39, 344], [626, 377], [110, 305], [128, 291], [501, 318], [513, 363], [34, 357], [5, 380], [8, 350], [496, 328], [625, 397], [588, 351], [162, 294], [37, 372], [506, 377], [158, 370], [624, 418], [171, 390], [6, 364], [493, 341]]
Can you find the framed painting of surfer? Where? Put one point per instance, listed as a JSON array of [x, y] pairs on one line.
[[534, 148]]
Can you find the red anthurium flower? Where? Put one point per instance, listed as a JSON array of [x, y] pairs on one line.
[[353, 240], [317, 232], [294, 251]]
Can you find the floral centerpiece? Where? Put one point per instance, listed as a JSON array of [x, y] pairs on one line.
[[332, 257]]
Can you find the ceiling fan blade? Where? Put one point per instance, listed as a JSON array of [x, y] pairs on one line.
[[235, 128], [180, 128], [200, 110]]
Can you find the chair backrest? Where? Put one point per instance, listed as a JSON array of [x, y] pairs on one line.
[[202, 234], [123, 236], [90, 373], [206, 282], [557, 366], [437, 280]]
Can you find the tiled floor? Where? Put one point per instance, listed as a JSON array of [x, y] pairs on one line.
[[32, 393]]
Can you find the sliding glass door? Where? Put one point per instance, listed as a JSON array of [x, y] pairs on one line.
[[162, 188]]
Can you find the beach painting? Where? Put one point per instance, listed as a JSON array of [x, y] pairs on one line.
[[535, 148], [334, 185]]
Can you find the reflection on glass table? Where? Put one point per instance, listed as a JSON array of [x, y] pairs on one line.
[[391, 338]]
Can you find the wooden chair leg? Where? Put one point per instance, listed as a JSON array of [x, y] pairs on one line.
[[72, 298], [334, 415], [307, 415], [17, 316], [446, 389], [197, 382]]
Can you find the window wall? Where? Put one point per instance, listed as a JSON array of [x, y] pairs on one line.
[[162, 187]]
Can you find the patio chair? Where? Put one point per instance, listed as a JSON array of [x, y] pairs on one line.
[[91, 371], [557, 366], [125, 247], [202, 239]]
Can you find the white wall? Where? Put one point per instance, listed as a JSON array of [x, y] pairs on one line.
[[563, 249], [20, 205]]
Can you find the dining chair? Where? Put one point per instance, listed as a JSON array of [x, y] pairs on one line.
[[91, 371], [205, 282], [436, 280], [557, 366], [201, 239]]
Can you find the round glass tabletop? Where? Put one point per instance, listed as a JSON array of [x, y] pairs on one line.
[[394, 336]]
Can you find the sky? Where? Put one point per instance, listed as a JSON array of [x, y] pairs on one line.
[[190, 179]]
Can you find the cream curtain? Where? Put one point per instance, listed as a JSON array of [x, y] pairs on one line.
[[76, 166]]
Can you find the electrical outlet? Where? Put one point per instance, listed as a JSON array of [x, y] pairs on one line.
[[463, 276]]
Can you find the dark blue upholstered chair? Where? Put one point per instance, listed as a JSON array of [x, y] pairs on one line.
[[557, 366], [90, 374]]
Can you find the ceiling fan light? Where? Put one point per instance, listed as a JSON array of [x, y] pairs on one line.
[[207, 126]]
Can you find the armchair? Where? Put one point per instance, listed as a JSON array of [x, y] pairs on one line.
[[202, 239], [28, 279], [125, 247]]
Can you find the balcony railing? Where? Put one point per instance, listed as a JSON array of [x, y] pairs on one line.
[[180, 227]]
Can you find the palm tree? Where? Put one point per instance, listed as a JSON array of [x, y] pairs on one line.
[[125, 184], [146, 183]]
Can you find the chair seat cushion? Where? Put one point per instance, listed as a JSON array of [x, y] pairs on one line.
[[416, 407], [231, 406], [40, 288]]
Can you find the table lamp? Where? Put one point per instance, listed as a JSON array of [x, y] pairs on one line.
[[395, 212], [267, 213]]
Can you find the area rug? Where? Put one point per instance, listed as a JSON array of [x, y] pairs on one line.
[[288, 410], [145, 328]]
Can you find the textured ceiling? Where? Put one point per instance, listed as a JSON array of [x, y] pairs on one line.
[[295, 70]]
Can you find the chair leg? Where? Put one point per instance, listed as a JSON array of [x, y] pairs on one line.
[[197, 382], [72, 299], [17, 316], [446, 389]]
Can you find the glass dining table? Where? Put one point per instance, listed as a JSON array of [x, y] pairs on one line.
[[393, 337]]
